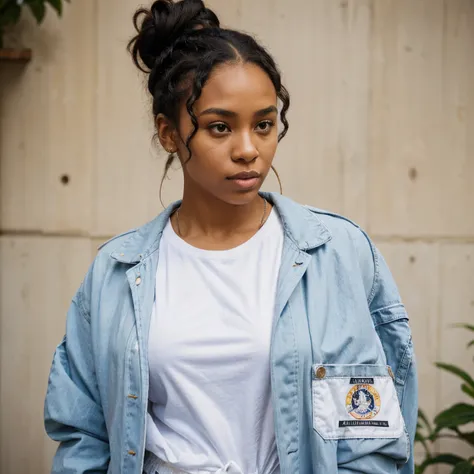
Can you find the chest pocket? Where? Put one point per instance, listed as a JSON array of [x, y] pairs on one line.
[[355, 401]]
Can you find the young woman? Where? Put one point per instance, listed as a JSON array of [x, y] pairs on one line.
[[238, 332]]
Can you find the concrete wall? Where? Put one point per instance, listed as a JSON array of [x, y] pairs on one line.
[[382, 130]]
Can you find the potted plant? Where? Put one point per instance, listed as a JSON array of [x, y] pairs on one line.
[[10, 13], [450, 423]]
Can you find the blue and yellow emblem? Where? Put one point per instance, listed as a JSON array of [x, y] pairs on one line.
[[363, 402]]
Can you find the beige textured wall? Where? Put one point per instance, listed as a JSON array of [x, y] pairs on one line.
[[382, 130]]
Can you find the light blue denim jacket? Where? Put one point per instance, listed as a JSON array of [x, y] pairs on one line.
[[337, 307]]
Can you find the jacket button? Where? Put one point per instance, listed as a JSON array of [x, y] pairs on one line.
[[320, 372], [138, 281], [132, 453]]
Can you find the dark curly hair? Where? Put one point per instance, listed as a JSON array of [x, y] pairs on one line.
[[179, 44]]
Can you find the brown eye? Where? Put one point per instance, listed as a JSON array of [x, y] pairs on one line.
[[265, 126], [219, 128]]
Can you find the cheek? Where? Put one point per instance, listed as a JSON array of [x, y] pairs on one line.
[[207, 152], [268, 148], [207, 160]]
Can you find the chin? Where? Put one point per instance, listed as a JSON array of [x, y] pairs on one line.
[[240, 198]]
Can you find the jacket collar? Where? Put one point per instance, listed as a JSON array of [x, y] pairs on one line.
[[301, 225]]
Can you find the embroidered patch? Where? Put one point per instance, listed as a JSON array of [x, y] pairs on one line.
[[355, 402], [363, 402]]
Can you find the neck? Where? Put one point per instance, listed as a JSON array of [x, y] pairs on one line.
[[210, 216]]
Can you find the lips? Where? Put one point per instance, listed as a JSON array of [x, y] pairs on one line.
[[245, 181], [245, 175]]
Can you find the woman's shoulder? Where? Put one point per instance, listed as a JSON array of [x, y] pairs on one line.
[[114, 257], [339, 228], [116, 241], [348, 241], [334, 221], [135, 243], [100, 269], [345, 232]]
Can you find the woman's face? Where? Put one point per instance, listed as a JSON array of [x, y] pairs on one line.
[[233, 149]]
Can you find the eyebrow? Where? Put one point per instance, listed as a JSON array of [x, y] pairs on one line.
[[229, 113]]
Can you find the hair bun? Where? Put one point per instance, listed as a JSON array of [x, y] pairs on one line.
[[161, 25]]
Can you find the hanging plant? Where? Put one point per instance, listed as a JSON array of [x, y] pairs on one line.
[[10, 11]]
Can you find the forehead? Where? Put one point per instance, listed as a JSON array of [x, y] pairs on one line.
[[237, 87]]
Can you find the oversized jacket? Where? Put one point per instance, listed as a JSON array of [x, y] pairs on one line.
[[343, 373]]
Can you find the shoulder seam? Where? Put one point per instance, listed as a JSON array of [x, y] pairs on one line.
[[376, 269], [331, 214], [116, 237]]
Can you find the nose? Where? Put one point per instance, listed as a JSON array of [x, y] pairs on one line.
[[244, 149]]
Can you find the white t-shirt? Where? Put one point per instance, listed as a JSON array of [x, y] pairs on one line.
[[209, 355]]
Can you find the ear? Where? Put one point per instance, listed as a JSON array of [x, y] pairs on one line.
[[166, 133]]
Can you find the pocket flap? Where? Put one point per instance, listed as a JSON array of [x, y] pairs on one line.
[[355, 401]]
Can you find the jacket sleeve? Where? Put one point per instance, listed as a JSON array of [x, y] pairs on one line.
[[391, 323], [73, 412], [392, 329]]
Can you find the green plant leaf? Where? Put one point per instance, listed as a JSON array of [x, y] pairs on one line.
[[468, 437], [467, 390], [457, 371], [444, 458], [57, 5], [457, 415], [10, 14], [463, 468], [422, 416], [470, 343], [470, 327], [38, 9], [435, 435]]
